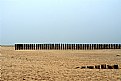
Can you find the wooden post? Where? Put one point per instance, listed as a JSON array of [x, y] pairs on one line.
[[103, 66], [109, 67], [94, 46], [29, 46], [119, 46], [97, 66], [58, 46], [116, 67], [108, 46], [74, 46], [63, 48], [88, 46], [116, 46], [90, 67]]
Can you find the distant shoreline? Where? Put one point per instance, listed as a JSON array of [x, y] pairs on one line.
[[7, 45]]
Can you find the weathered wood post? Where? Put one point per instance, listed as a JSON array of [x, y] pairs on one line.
[[77, 47], [116, 46], [73, 46], [108, 46], [103, 46], [88, 46], [97, 46], [58, 46], [85, 46], [111, 46], [42, 46], [70, 46], [53, 46], [109, 67], [65, 46], [119, 46], [32, 46], [103, 66], [97, 66], [26, 47], [39, 46], [80, 47], [50, 46], [100, 46], [47, 46], [61, 46], [116, 66], [29, 46], [19, 46], [94, 46], [23, 46], [90, 67]]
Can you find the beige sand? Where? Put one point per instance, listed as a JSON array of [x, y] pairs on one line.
[[56, 65]]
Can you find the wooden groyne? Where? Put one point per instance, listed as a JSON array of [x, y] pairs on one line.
[[66, 46]]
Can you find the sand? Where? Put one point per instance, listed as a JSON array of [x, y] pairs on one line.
[[58, 65]]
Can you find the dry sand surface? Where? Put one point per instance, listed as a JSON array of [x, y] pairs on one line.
[[58, 65]]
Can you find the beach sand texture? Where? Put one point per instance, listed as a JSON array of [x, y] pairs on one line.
[[58, 65]]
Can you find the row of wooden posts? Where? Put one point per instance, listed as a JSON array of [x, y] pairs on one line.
[[66, 46], [102, 66]]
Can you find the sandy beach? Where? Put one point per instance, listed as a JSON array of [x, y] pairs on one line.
[[58, 65]]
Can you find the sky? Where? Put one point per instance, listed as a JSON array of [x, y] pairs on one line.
[[60, 21]]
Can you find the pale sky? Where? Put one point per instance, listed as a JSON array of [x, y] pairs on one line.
[[60, 21]]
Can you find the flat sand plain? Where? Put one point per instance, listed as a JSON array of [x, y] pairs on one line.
[[58, 65]]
